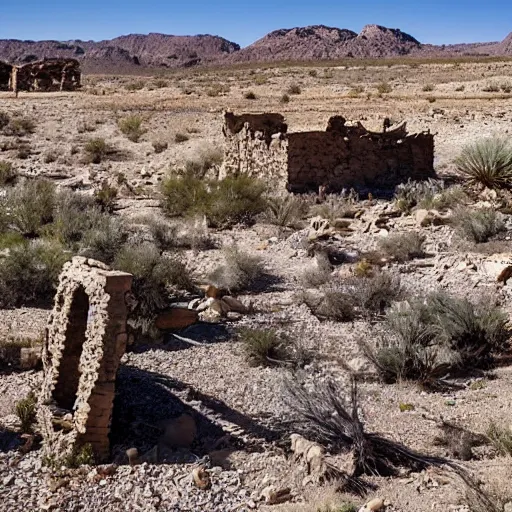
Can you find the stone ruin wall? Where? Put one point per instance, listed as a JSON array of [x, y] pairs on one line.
[[43, 75], [86, 339], [341, 157]]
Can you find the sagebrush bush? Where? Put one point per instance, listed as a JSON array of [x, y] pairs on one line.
[[19, 126], [239, 272], [287, 211], [7, 173], [478, 225], [428, 87], [25, 409], [429, 338], [181, 137], [30, 206], [294, 89], [29, 273], [96, 150], [103, 240], [373, 295], [224, 202], [156, 278], [206, 159], [487, 162], [131, 126], [334, 303], [163, 234], [403, 247], [501, 438], [264, 347], [384, 88], [105, 197]]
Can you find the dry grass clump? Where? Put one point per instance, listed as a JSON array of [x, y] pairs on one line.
[[20, 126], [316, 275], [478, 225], [501, 438], [264, 347], [428, 339], [105, 197], [336, 206], [375, 294], [131, 126], [181, 137], [96, 149], [428, 87], [384, 88], [25, 409], [233, 200], [8, 174], [294, 89], [155, 277], [217, 90], [403, 247], [135, 86], [334, 303], [487, 162], [285, 211], [159, 146], [250, 95], [239, 272]]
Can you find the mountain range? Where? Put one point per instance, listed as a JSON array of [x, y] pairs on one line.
[[316, 42]]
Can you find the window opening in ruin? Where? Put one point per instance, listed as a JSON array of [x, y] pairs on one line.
[[66, 388]]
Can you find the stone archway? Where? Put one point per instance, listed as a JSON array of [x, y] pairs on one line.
[[85, 341]]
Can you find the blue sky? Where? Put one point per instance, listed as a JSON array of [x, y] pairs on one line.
[[242, 21]]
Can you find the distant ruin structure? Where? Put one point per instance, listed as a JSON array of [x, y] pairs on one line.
[[86, 339], [341, 157], [43, 75]]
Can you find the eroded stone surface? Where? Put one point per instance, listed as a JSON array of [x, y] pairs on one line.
[[85, 340]]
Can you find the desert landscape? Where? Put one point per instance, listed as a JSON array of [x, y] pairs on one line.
[[345, 347]]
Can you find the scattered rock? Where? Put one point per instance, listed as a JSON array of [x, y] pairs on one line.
[[176, 318], [273, 496], [373, 505]]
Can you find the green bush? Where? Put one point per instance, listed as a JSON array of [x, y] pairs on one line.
[[103, 240], [131, 126], [287, 211], [264, 347], [186, 195], [240, 271], [156, 278], [30, 205], [19, 126], [7, 173], [29, 273], [384, 88], [96, 150], [181, 137], [26, 411], [487, 162], [478, 225], [294, 89]]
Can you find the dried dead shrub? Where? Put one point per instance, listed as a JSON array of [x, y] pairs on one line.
[[333, 303], [239, 272], [20, 126], [250, 95], [403, 247], [131, 126], [316, 275], [478, 226], [384, 88]]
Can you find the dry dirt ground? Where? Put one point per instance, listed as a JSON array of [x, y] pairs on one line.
[[214, 379]]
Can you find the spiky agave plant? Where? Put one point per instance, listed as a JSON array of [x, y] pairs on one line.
[[487, 161]]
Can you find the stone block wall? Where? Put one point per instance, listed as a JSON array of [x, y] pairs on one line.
[[341, 157], [86, 339]]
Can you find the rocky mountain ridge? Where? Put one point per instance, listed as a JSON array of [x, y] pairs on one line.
[[315, 42]]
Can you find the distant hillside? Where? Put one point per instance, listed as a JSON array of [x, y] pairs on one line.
[[136, 52]]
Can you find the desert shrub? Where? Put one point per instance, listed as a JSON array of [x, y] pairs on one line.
[[217, 90], [131, 126], [250, 95], [460, 88], [384, 88], [4, 120], [487, 162], [334, 303], [501, 438], [135, 86], [155, 277], [103, 240], [506, 88], [29, 273], [181, 137], [427, 339], [164, 235], [428, 87], [413, 193], [285, 211], [105, 197], [375, 294], [264, 347], [23, 151], [239, 272], [491, 87], [336, 206], [159, 147], [184, 195], [80, 456], [96, 150], [50, 156], [403, 247], [316, 275], [19, 126], [294, 89], [284, 99], [478, 225], [160, 83], [30, 205], [11, 239], [313, 73], [207, 159], [7, 173], [25, 409]]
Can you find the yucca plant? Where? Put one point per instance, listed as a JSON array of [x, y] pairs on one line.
[[488, 162], [285, 211]]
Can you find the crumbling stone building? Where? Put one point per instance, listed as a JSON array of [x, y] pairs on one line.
[[42, 75], [86, 338], [341, 157]]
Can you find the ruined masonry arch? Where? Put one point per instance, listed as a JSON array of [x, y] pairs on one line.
[[85, 341]]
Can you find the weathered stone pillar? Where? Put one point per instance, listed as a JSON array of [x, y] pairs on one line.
[[86, 338]]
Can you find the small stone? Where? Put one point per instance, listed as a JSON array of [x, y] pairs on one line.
[[8, 480], [373, 505]]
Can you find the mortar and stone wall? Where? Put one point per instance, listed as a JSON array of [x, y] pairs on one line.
[[5, 76], [86, 339], [341, 157]]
